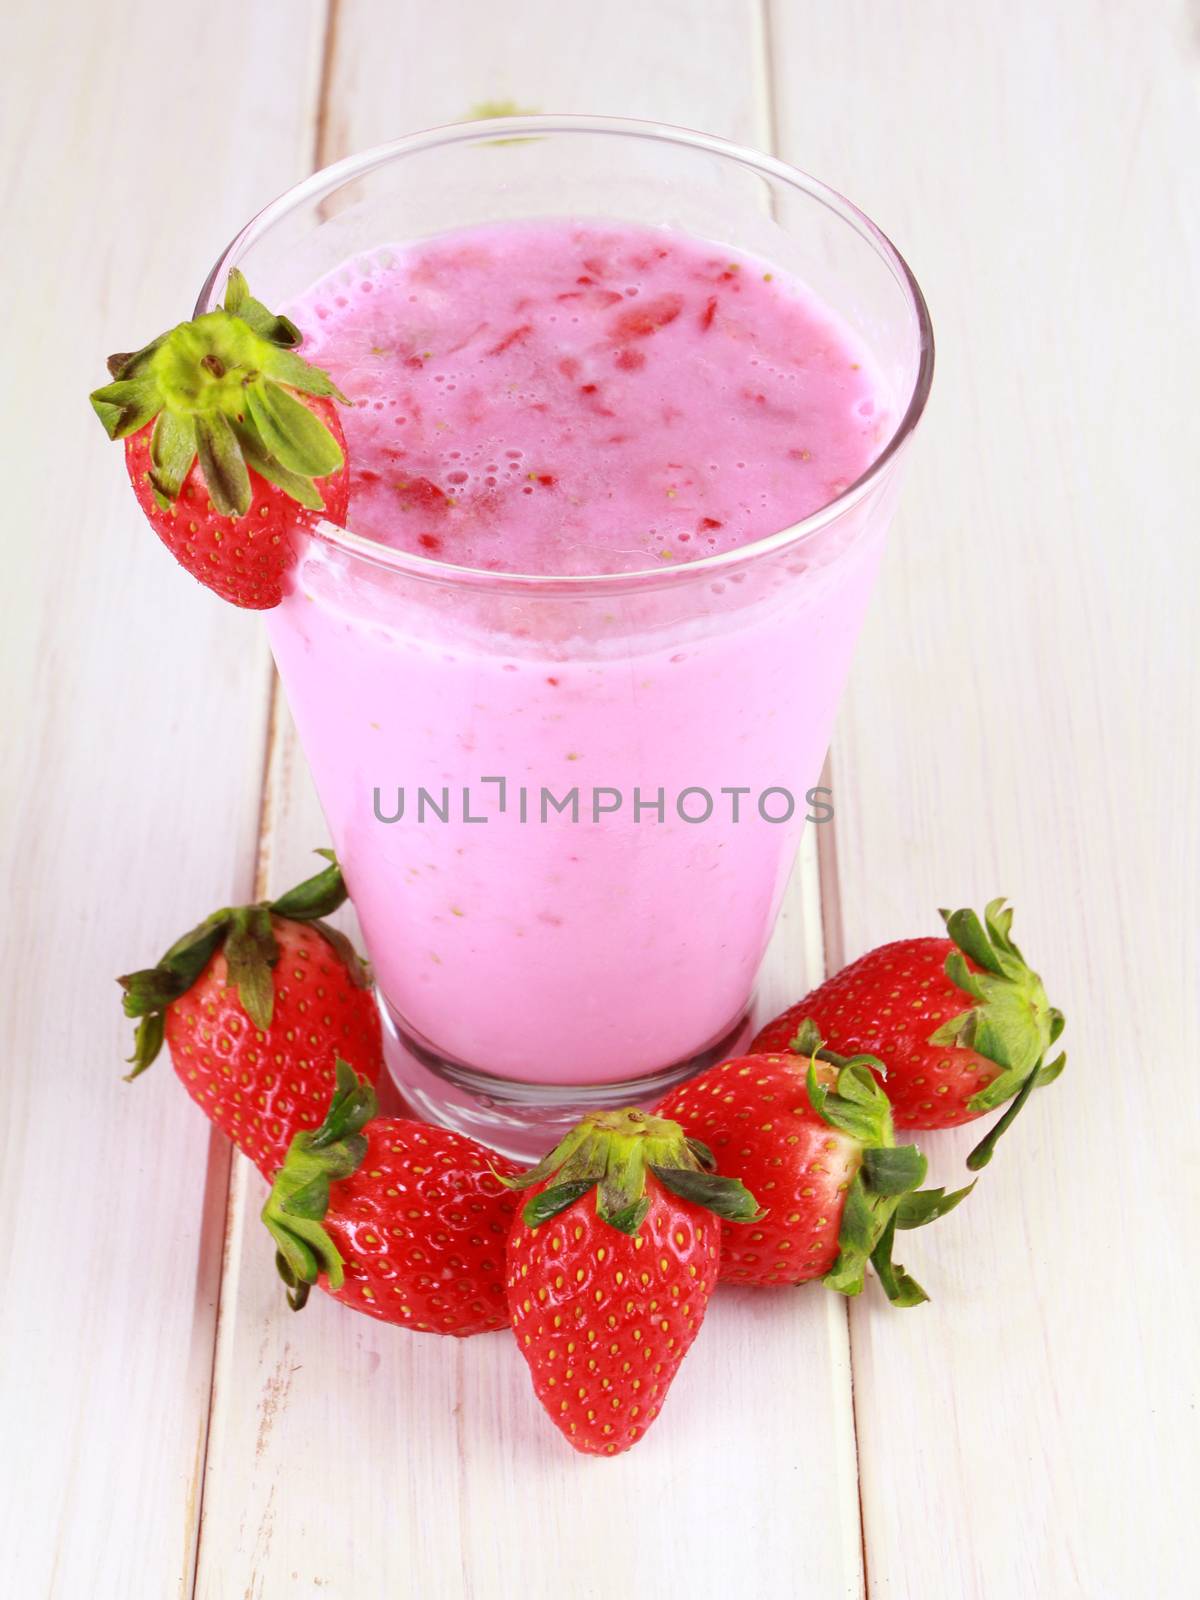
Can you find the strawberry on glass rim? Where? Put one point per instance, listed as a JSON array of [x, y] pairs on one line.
[[232, 444]]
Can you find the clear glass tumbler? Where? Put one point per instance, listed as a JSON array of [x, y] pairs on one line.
[[567, 807]]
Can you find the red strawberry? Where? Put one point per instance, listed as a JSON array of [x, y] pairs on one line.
[[226, 459], [398, 1219], [816, 1146], [607, 1292], [962, 1023], [255, 1005]]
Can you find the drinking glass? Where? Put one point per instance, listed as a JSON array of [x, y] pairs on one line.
[[566, 807]]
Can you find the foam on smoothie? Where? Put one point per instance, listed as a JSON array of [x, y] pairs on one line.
[[560, 397]]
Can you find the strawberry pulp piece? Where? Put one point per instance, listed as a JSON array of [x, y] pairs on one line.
[[512, 338], [641, 320], [420, 494]]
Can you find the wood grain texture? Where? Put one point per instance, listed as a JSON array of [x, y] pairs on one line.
[[397, 68], [1022, 718], [458, 1484], [129, 788]]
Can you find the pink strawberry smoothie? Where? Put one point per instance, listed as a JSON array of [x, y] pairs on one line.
[[542, 403]]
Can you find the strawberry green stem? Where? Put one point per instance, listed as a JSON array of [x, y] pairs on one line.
[[1011, 1021], [885, 1192], [298, 1203], [223, 388], [985, 1149], [808, 1042], [251, 953], [614, 1152]]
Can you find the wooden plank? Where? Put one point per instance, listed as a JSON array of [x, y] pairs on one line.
[[395, 69], [367, 1459], [133, 732], [1022, 718]]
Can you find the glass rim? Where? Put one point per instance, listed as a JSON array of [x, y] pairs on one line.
[[326, 179]]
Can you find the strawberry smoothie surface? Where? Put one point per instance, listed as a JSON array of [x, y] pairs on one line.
[[573, 400]]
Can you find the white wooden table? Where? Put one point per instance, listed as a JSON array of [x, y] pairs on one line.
[[1021, 720]]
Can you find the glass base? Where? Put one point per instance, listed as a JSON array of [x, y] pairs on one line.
[[523, 1120]]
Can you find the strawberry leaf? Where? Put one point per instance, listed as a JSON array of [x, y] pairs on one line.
[[296, 1208], [319, 896], [627, 1218], [172, 451], [125, 406], [251, 952], [147, 1042], [927, 1205], [703, 1154], [303, 490], [1051, 1070], [222, 464], [133, 364], [724, 1197], [297, 1286], [286, 367], [901, 1289], [311, 1201], [808, 1042], [357, 969], [352, 1106], [986, 1148], [549, 1202], [1011, 1022], [155, 987], [858, 1229], [856, 1106], [882, 1196], [241, 303], [291, 433], [856, 1236], [968, 933], [894, 1170], [611, 1152]]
